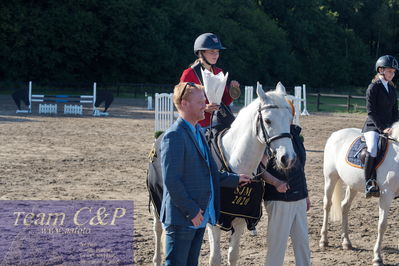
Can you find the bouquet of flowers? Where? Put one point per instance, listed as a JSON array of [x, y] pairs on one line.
[[214, 85]]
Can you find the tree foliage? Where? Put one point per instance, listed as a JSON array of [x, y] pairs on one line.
[[323, 43]]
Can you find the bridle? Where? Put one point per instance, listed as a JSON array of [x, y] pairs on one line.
[[260, 123], [266, 140]]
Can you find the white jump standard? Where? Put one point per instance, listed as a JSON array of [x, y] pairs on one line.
[[75, 108], [164, 115]]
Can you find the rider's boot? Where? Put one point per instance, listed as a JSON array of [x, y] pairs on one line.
[[372, 189]]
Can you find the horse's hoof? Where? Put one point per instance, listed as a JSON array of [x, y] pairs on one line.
[[323, 245], [378, 262], [347, 246]]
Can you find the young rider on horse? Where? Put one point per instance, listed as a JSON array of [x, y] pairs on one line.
[[206, 48], [382, 112]]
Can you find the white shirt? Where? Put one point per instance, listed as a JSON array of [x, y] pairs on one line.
[[385, 83]]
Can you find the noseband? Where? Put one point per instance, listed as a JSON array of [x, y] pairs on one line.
[[266, 137]]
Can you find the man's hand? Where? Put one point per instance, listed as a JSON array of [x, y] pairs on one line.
[[281, 186], [308, 204], [197, 220], [244, 179]]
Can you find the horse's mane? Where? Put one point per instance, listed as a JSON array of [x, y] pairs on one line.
[[250, 110], [395, 131]]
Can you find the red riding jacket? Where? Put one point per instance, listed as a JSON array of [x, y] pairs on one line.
[[190, 76]]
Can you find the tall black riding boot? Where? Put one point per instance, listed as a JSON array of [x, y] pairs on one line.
[[372, 189]]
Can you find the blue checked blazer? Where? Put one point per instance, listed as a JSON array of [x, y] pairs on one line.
[[186, 180]]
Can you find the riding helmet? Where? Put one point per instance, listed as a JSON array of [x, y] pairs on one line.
[[386, 61], [207, 41]]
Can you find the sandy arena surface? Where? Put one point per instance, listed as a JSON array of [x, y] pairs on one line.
[[86, 158]]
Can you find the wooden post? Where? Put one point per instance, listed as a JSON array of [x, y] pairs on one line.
[[318, 102], [349, 103]]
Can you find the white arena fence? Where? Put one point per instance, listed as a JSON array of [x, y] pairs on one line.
[[300, 93], [73, 104], [249, 95], [164, 113]]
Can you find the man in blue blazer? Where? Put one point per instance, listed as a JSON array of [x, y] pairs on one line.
[[191, 179]]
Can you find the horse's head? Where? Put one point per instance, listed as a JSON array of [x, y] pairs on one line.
[[272, 124]]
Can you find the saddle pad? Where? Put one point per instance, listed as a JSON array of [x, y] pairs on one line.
[[353, 155]]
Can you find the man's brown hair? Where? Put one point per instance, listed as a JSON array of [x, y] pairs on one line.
[[183, 90]]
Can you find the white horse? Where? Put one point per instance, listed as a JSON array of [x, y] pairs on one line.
[[244, 146], [336, 171], [263, 123]]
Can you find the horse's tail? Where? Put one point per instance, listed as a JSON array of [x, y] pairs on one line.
[[336, 209]]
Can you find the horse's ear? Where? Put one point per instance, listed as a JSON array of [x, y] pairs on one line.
[[261, 94], [280, 88]]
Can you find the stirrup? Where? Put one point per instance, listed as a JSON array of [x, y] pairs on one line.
[[372, 189]]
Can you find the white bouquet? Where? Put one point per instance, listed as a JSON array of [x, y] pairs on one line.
[[214, 85]]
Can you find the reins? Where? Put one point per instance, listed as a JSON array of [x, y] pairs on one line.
[[255, 177], [389, 138], [225, 164], [219, 146]]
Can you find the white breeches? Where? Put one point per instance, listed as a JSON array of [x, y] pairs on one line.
[[371, 138]]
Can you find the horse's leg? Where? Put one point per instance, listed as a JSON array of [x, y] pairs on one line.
[[215, 258], [385, 204], [330, 180], [158, 234], [346, 205], [239, 226]]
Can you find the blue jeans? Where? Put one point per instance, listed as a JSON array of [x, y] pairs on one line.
[[183, 245]]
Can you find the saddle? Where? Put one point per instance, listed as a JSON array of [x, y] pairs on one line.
[[357, 152]]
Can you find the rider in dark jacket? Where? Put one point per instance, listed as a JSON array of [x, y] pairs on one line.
[[382, 112]]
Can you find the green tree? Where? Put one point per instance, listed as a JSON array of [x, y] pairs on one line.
[[326, 52]]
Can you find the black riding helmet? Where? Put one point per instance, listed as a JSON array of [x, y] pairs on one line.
[[207, 41], [386, 61]]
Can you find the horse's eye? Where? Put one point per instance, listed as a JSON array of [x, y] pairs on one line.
[[268, 122]]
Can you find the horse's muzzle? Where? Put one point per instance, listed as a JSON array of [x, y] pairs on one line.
[[286, 161]]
